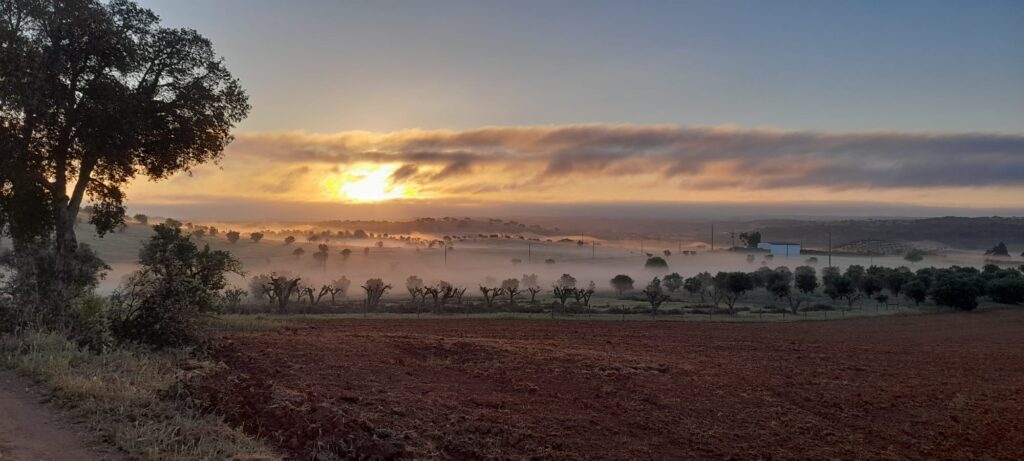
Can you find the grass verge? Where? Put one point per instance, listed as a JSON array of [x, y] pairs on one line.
[[130, 399]]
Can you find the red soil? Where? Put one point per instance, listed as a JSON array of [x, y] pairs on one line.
[[918, 387]]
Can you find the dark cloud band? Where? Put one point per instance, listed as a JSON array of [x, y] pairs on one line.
[[694, 157]]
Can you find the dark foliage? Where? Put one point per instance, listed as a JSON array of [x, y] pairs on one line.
[[163, 304]]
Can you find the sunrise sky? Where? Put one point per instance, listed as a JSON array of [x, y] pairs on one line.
[[391, 109]]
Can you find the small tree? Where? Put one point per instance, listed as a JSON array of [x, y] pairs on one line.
[[895, 279], [530, 282], [489, 295], [914, 255], [750, 239], [843, 288], [622, 283], [870, 285], [375, 290], [655, 295], [916, 290], [256, 287], [298, 252], [562, 294], [232, 236], [806, 279], [511, 288], [345, 253], [582, 296], [448, 291], [280, 288], [533, 293], [694, 286], [957, 292], [141, 219], [779, 285], [414, 285], [322, 252], [339, 287], [289, 240], [656, 262], [256, 237], [998, 250], [732, 286], [566, 281], [673, 282], [1007, 290]]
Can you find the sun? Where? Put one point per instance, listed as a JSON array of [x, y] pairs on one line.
[[366, 184]]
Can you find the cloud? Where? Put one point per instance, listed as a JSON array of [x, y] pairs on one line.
[[705, 157]]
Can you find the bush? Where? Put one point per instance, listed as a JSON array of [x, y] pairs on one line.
[[163, 304], [35, 301], [1007, 290], [90, 326]]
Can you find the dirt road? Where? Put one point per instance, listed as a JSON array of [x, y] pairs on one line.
[[31, 431]]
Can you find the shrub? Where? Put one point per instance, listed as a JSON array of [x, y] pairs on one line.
[[35, 298], [90, 325], [162, 304]]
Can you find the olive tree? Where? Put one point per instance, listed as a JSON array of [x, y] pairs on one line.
[[655, 295], [622, 283], [511, 288], [375, 290]]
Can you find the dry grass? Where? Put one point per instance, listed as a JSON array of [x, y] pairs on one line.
[[129, 399]]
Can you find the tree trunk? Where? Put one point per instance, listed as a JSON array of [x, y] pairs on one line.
[[65, 246]]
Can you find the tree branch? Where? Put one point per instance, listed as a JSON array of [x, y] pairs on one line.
[[84, 176]]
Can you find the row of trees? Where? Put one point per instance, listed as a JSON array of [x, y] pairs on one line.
[[958, 287]]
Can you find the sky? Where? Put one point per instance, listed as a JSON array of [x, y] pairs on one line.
[[385, 108]]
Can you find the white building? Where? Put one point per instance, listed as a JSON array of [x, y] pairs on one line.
[[781, 248]]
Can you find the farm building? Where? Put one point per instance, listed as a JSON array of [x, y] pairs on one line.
[[781, 248]]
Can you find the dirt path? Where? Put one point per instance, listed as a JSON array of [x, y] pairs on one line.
[[31, 431]]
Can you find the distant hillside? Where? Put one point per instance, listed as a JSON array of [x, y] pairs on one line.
[[954, 232]]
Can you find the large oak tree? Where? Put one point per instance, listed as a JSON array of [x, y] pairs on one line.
[[93, 94]]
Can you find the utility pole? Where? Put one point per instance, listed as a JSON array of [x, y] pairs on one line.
[[529, 251], [829, 249], [732, 236], [446, 253], [593, 250]]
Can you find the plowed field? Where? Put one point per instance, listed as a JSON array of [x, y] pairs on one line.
[[947, 386]]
